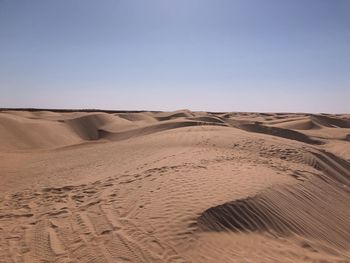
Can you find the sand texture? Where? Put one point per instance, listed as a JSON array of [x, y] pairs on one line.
[[174, 187]]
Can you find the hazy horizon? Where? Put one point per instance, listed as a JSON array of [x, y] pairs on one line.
[[248, 56]]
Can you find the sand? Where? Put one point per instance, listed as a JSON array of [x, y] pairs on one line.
[[174, 187]]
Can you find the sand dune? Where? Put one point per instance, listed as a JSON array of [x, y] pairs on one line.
[[331, 121], [138, 117], [301, 124], [280, 132], [88, 126], [164, 116], [293, 209], [26, 133], [174, 187], [155, 128]]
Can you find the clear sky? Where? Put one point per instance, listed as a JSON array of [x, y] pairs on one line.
[[215, 55]]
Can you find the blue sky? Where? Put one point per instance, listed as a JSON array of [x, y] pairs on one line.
[[215, 55]]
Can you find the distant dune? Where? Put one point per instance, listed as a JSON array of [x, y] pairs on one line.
[[183, 186]]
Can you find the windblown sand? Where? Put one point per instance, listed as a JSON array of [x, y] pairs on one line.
[[174, 187]]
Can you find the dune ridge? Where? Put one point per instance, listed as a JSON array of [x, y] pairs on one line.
[[97, 125]]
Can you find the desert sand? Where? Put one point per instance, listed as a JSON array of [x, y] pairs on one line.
[[174, 187]]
